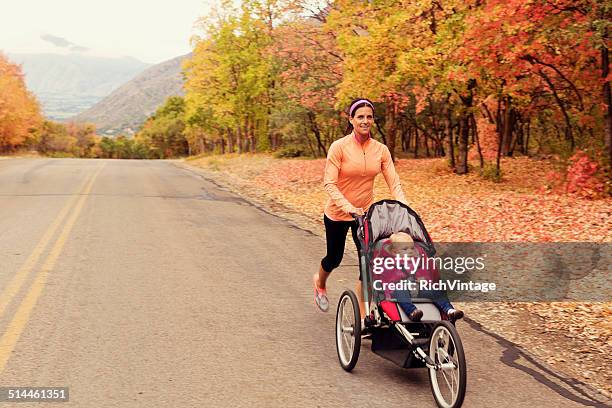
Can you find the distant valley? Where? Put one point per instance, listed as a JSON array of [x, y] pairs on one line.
[[69, 84], [126, 108], [116, 94]]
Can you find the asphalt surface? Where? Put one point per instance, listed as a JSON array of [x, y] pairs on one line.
[[142, 284]]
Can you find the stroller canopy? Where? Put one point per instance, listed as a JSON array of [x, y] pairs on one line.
[[389, 216]]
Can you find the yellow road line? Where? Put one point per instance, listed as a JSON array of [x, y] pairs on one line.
[[20, 277], [20, 319]]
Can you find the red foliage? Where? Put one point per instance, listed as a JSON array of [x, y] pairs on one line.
[[536, 49], [583, 177], [310, 64]]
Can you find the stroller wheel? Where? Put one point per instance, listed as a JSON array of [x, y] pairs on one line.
[[447, 383], [348, 330]]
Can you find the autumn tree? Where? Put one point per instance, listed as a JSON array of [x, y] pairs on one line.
[[447, 77], [371, 37], [163, 132], [19, 111], [85, 136], [231, 77], [542, 67], [396, 53], [310, 73]]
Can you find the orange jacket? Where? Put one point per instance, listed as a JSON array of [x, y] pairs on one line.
[[350, 172]]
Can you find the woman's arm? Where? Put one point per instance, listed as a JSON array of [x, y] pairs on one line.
[[330, 179], [391, 177]]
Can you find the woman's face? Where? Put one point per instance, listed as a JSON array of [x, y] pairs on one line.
[[362, 121]]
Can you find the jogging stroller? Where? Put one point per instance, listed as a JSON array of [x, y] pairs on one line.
[[433, 342]]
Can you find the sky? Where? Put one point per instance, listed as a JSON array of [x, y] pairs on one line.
[[149, 30]]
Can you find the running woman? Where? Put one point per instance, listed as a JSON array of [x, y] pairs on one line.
[[353, 162]]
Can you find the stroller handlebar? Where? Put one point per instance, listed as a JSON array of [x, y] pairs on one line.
[[360, 220]]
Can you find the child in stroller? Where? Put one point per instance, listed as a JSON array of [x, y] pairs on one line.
[[401, 244]]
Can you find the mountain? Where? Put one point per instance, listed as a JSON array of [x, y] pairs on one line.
[[68, 84], [126, 108]]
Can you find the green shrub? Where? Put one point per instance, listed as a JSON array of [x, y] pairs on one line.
[[289, 152], [60, 155], [489, 172]]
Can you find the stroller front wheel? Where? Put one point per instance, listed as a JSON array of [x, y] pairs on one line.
[[348, 330], [448, 383]]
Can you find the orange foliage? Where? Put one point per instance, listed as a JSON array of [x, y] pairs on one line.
[[19, 110], [488, 138]]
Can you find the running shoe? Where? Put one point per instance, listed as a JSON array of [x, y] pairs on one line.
[[320, 296]]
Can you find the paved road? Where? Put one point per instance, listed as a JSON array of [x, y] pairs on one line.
[[141, 284]]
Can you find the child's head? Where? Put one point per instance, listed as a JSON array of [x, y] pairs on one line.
[[401, 243]]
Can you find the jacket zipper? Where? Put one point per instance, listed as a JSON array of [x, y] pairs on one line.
[[364, 161]]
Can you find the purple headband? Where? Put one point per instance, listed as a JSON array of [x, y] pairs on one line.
[[357, 103]]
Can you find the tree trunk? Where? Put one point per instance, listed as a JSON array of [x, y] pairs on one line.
[[607, 97], [312, 150], [252, 136], [568, 123], [528, 133], [230, 140], [239, 139], [449, 129], [520, 135], [221, 144], [509, 119], [391, 128], [247, 135], [498, 157], [439, 141], [403, 138], [382, 133], [315, 129], [477, 140], [464, 135], [408, 141], [505, 117], [245, 139]]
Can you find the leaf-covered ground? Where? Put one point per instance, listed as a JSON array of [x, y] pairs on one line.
[[572, 337]]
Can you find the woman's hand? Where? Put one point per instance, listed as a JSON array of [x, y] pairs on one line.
[[357, 211]]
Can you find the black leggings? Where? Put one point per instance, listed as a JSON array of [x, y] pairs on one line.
[[335, 235]]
